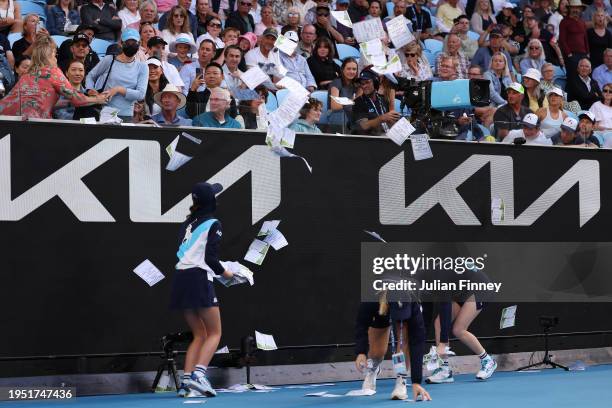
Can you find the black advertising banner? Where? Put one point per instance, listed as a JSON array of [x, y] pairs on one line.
[[82, 206]]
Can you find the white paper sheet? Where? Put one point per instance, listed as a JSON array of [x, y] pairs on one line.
[[109, 115], [420, 147], [343, 18], [360, 393], [260, 387], [192, 401], [254, 77], [368, 30], [342, 100], [497, 210], [508, 317], [267, 227], [289, 110], [242, 274], [282, 152], [276, 239], [265, 341], [285, 45], [88, 121], [149, 272], [398, 31], [323, 394], [276, 137], [372, 47], [222, 350], [394, 65], [375, 235], [400, 131], [293, 86], [257, 252]]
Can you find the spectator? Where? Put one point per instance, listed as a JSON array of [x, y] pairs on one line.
[[241, 19], [148, 14], [293, 21], [530, 132], [7, 63], [155, 48], [483, 16], [371, 115], [75, 73], [65, 53], [37, 92], [584, 89], [322, 64], [125, 78], [22, 66], [198, 101], [192, 73], [103, 17], [535, 57], [500, 79], [265, 56], [552, 116], [603, 73], [509, 116], [548, 74], [146, 32], [324, 28], [534, 98], [231, 73], [129, 14], [169, 100], [80, 51], [345, 86], [11, 22], [309, 116], [420, 19], [507, 14], [217, 117], [544, 12], [586, 125], [399, 9], [184, 48], [573, 38], [358, 10], [247, 42], [558, 15], [468, 46], [374, 10], [267, 21], [202, 16], [413, 63], [308, 37], [179, 24], [452, 46], [279, 10], [255, 11], [550, 48], [213, 28], [219, 8], [296, 65], [61, 16], [230, 36], [600, 38], [603, 109], [251, 111], [567, 135], [347, 32], [448, 12], [595, 6], [483, 56], [191, 18], [32, 26]]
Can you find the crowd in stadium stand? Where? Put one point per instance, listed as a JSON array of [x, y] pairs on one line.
[[180, 62]]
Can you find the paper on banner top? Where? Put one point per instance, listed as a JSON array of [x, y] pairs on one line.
[[265, 341], [400, 131], [343, 18], [420, 147], [254, 77], [394, 65], [368, 30], [398, 31], [285, 45], [149, 272], [194, 402], [342, 100], [261, 387], [267, 227], [88, 121], [109, 114], [276, 239], [293, 85]]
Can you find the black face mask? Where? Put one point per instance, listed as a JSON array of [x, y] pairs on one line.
[[130, 49]]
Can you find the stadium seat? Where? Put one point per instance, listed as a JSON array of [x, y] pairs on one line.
[[390, 7], [571, 114], [281, 95], [473, 35], [346, 51], [100, 46], [433, 45], [59, 39], [430, 57], [559, 77], [338, 62], [271, 103], [12, 37], [322, 97], [28, 7]]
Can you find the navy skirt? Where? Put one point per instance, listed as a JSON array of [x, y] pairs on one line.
[[191, 289]]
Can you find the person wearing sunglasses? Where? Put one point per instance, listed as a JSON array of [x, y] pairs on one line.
[[324, 28], [193, 21], [241, 18], [213, 32], [413, 64], [293, 21], [178, 24], [603, 109]]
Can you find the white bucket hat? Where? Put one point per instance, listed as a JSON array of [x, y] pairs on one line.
[[172, 89]]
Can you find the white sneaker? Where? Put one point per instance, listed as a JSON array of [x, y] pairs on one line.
[[449, 352], [183, 391], [487, 368], [399, 391], [441, 375], [201, 384], [194, 394], [369, 382]]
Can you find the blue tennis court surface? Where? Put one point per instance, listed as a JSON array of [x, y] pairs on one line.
[[547, 388]]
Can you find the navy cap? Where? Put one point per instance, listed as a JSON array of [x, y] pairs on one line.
[[203, 195], [367, 74]]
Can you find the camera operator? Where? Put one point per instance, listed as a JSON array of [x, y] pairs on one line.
[[371, 114]]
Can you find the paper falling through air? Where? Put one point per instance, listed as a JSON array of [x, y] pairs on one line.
[[149, 272], [267, 227], [420, 147], [254, 77], [276, 239], [285, 45], [400, 131], [284, 137], [375, 235], [265, 341], [257, 252], [181, 150], [508, 317], [282, 152], [222, 350]]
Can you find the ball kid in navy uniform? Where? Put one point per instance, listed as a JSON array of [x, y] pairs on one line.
[[192, 288]]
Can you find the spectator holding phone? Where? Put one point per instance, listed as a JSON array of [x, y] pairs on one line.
[[25, 45]]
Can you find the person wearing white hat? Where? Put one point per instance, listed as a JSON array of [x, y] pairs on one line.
[[170, 99], [552, 116], [586, 125], [570, 138], [155, 48], [530, 132], [184, 47], [534, 98]]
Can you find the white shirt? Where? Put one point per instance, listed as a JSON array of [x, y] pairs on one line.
[[218, 42], [540, 139], [603, 114], [170, 38], [271, 64], [172, 74], [128, 18]]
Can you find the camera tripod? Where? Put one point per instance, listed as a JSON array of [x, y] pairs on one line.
[[168, 356], [546, 361]]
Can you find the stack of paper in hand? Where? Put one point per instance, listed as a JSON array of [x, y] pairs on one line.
[[242, 274]]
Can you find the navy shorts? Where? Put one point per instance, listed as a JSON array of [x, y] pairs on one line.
[[191, 289], [380, 322], [479, 305]]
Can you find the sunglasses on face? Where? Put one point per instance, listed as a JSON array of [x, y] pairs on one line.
[[245, 3], [293, 14], [322, 14], [607, 91], [410, 54], [215, 25], [178, 16], [534, 48]]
